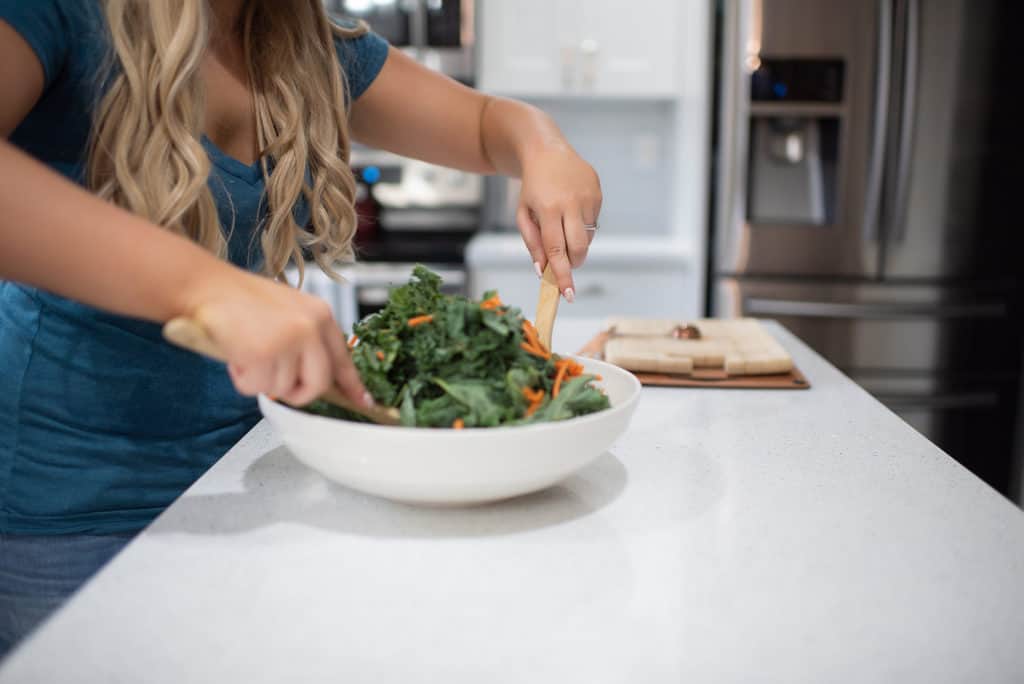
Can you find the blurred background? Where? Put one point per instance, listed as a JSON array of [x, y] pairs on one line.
[[845, 167]]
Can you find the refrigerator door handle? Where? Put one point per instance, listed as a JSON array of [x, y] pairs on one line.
[[740, 26], [876, 162], [758, 306], [907, 119]]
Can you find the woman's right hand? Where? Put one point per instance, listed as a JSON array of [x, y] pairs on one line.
[[278, 341]]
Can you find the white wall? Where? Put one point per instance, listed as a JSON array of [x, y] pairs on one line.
[[652, 150], [630, 145]]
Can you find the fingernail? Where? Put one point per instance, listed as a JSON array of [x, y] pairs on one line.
[[536, 267], [570, 295], [368, 400]]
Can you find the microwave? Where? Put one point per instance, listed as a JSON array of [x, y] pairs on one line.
[[437, 33]]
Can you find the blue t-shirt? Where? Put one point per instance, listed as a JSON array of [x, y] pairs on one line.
[[103, 424]]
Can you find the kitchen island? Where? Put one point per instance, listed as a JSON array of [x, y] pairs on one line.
[[729, 535]]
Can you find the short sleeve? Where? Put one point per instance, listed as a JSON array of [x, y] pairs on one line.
[[361, 58], [44, 26]]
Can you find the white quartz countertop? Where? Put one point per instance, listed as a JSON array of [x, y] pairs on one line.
[[729, 536]]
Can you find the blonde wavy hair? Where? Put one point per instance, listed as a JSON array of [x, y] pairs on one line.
[[146, 153]]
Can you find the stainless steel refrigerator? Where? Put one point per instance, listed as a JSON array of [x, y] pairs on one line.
[[865, 198]]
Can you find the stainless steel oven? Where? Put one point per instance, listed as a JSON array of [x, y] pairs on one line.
[[438, 33], [411, 211]]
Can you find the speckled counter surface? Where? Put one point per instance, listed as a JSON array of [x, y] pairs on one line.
[[730, 535]]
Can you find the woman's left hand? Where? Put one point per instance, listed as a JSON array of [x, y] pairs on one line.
[[558, 210], [456, 126]]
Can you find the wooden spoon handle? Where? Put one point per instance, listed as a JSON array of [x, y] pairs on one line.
[[190, 334], [547, 307]]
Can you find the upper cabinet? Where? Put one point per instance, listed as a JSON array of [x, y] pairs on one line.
[[579, 47], [517, 47]]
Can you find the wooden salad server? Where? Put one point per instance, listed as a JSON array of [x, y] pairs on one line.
[[190, 334], [547, 307]]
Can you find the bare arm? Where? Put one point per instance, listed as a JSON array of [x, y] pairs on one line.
[[413, 111], [56, 236]]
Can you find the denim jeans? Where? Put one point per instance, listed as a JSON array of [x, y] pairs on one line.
[[38, 573]]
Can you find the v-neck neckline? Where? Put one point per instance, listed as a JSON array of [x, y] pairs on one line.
[[251, 173]]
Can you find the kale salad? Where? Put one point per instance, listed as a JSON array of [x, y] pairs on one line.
[[448, 361]]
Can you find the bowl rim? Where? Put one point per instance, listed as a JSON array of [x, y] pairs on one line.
[[265, 401]]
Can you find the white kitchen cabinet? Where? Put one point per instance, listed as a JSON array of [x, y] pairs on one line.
[[628, 276], [580, 47], [630, 85], [518, 47], [628, 48]]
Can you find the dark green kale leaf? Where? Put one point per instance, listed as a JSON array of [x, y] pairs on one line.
[[466, 362]]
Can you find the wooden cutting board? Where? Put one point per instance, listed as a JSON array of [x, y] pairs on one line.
[[707, 367]]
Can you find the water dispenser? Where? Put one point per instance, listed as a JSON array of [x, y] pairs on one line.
[[793, 148]]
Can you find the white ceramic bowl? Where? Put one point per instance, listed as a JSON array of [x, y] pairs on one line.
[[439, 466]]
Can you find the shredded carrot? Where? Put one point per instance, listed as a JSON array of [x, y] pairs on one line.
[[380, 355], [533, 395], [491, 303], [532, 344], [541, 352], [458, 424], [352, 341], [598, 377], [530, 333], [572, 369], [420, 320], [535, 350], [559, 376]]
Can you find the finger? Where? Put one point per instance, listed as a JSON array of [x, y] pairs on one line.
[[591, 212], [250, 380], [285, 376], [531, 237], [314, 375], [576, 240], [553, 237], [343, 371]]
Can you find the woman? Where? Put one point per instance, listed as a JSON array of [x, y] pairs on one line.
[[171, 158]]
